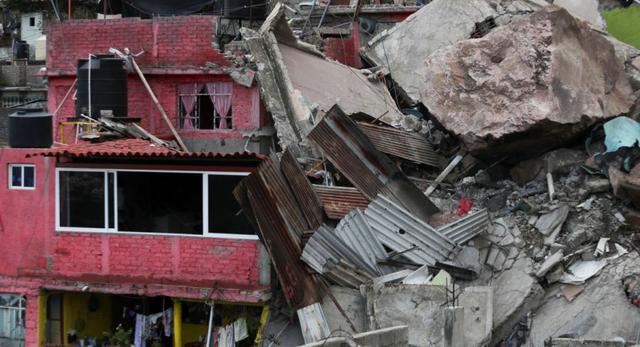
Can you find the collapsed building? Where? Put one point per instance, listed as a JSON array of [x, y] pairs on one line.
[[481, 191]]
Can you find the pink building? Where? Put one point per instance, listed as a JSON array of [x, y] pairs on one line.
[[104, 238]]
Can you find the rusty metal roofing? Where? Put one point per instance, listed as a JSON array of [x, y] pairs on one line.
[[266, 198], [308, 200], [356, 233], [337, 202], [399, 230], [135, 148], [368, 169], [403, 144], [464, 229]]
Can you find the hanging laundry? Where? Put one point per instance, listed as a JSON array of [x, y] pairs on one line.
[[138, 339], [240, 331]]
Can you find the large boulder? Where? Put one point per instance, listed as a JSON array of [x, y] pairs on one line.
[[527, 86], [440, 23]]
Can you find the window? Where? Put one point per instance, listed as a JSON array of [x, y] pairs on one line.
[[159, 202], [22, 176], [12, 318], [205, 106], [32, 21]]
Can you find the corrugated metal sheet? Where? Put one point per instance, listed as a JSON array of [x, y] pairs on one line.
[[399, 230], [347, 275], [283, 196], [337, 202], [325, 248], [370, 170], [308, 201], [261, 197], [403, 144], [356, 233], [466, 228]]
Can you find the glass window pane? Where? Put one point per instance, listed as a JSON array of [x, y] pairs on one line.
[[225, 216], [82, 199], [28, 176], [16, 176], [112, 194], [158, 202]]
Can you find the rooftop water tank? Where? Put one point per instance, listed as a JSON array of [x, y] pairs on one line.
[[108, 87], [30, 128]]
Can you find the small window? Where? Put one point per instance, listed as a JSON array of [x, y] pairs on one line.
[[22, 176], [205, 106], [12, 320], [32, 21]]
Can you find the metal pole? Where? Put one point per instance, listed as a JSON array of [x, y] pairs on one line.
[[210, 326], [69, 8], [89, 86]]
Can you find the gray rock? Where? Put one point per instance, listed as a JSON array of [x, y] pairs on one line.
[[549, 264], [527, 86], [559, 161], [584, 9], [440, 23]]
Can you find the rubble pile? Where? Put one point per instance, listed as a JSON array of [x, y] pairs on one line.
[[507, 216]]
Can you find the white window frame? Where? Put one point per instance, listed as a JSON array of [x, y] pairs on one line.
[[205, 204], [21, 187], [20, 308]]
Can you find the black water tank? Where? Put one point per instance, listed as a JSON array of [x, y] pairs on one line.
[[108, 86], [30, 128], [21, 50]]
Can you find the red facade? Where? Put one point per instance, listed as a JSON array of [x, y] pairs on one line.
[[35, 256]]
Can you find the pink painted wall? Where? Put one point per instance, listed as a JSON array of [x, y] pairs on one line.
[[175, 53], [31, 248]]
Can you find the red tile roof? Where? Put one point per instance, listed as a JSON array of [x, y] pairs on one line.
[[135, 148]]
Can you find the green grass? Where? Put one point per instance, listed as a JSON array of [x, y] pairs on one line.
[[624, 24]]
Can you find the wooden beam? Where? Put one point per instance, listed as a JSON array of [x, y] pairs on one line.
[[157, 103]]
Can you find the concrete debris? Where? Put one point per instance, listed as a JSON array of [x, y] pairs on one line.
[[549, 264], [549, 222], [396, 336], [518, 294], [480, 219], [532, 69]]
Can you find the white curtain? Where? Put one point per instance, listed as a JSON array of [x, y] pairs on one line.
[[220, 94]]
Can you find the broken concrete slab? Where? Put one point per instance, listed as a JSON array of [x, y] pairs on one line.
[[297, 83], [454, 330], [351, 302], [387, 337], [518, 294], [417, 306], [549, 222], [527, 86], [549, 264], [568, 342], [403, 48], [478, 315], [602, 311]]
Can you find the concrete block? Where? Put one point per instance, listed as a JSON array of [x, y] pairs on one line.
[[454, 327], [478, 315], [353, 304]]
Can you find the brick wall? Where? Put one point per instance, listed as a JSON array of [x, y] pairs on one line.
[[31, 248], [166, 41]]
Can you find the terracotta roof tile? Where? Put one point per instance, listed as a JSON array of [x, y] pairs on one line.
[[135, 148]]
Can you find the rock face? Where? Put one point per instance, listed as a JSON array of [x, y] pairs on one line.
[[527, 86], [440, 23]]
